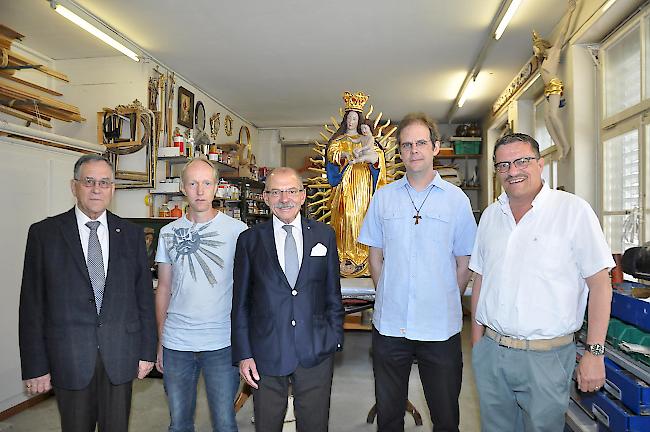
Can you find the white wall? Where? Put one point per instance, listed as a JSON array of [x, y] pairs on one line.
[[110, 81], [37, 185]]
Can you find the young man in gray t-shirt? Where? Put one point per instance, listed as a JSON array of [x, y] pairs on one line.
[[193, 302]]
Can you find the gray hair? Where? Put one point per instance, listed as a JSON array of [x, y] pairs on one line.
[[91, 157], [516, 137], [282, 170]]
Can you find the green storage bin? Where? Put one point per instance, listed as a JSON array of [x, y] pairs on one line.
[[467, 147], [614, 331]]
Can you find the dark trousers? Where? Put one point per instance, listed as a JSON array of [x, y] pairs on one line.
[[100, 403], [441, 373], [311, 399]]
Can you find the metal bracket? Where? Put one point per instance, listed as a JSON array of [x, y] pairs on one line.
[[593, 50]]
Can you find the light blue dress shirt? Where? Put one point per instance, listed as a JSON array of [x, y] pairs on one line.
[[418, 296]]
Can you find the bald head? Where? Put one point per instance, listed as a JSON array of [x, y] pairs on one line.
[[284, 173]]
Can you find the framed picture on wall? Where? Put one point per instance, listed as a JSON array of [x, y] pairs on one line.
[[185, 110], [151, 228]]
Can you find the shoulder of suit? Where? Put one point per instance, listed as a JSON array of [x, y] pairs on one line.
[[56, 219], [314, 224], [115, 220]]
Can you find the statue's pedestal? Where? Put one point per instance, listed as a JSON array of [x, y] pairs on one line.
[[355, 287], [358, 298]]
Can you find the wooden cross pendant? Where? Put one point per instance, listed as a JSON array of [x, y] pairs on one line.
[[417, 217]]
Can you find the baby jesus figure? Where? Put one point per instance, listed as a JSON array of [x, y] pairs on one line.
[[366, 153]]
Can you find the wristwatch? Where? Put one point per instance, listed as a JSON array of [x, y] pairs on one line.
[[596, 349]]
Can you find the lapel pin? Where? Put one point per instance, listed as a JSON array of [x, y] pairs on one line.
[[117, 230]]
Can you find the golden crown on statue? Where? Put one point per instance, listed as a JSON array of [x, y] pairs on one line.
[[355, 101]]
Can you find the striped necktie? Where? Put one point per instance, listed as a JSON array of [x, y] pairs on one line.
[[95, 264]]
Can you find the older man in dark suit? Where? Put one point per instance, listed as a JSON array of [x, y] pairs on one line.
[[287, 315], [87, 322]]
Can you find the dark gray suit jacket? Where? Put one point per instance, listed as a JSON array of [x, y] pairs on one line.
[[59, 329]]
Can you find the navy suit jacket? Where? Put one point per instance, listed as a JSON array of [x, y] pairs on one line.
[[59, 329], [264, 307]]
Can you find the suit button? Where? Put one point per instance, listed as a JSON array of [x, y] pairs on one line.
[[293, 323], [99, 324], [294, 292]]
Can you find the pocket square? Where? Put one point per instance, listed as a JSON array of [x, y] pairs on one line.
[[319, 250]]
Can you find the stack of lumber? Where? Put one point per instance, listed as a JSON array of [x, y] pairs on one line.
[[26, 100]]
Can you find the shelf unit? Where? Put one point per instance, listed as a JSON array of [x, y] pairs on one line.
[[247, 187], [466, 164]]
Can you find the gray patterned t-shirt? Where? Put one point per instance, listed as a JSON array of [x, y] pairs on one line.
[[201, 256]]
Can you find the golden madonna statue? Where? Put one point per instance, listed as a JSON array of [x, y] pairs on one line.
[[355, 166]]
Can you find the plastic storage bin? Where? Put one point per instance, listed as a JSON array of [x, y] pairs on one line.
[[467, 147]]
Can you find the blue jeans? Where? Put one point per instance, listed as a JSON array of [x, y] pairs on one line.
[[181, 376]]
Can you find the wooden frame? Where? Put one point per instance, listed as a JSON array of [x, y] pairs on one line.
[[151, 228], [185, 108], [142, 142]]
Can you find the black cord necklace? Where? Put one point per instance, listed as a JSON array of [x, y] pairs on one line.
[[417, 216]]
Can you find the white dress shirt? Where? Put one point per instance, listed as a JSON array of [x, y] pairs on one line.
[[533, 272], [102, 234], [281, 235]]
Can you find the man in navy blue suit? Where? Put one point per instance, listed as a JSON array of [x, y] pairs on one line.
[[287, 315]]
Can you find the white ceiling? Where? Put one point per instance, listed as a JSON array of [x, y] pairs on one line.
[[286, 62]]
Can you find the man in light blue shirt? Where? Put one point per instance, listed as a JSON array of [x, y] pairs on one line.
[[421, 231]]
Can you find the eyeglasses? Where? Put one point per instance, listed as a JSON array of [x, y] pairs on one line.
[[521, 163], [407, 146], [90, 182], [290, 192]]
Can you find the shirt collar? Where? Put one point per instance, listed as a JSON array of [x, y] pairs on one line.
[[539, 199], [437, 181], [82, 218], [278, 224]]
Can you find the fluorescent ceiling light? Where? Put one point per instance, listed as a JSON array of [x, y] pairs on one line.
[[63, 11], [608, 5], [469, 88], [512, 10]]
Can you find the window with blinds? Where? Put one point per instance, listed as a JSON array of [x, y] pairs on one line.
[[625, 133]]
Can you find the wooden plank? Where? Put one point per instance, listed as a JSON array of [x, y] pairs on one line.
[[5, 75], [4, 42], [24, 116], [7, 88], [30, 109], [4, 415], [16, 59], [10, 33]]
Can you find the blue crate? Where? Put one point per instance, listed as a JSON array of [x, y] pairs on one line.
[[613, 414], [632, 392], [631, 310]]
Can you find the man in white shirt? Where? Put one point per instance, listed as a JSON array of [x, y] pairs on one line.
[[540, 257]]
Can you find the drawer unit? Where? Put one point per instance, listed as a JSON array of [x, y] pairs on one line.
[[611, 413], [634, 393]]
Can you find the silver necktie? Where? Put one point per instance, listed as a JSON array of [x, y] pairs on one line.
[[95, 264], [291, 266]]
